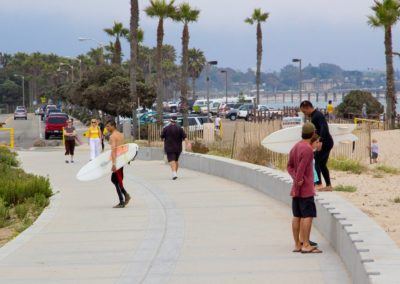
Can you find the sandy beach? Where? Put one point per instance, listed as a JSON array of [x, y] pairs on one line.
[[376, 191]]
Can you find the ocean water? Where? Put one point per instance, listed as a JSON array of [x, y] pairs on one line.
[[286, 101]]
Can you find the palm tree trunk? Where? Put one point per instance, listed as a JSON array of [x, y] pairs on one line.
[[193, 87], [184, 75], [134, 62], [390, 92], [160, 97], [259, 58], [117, 56]]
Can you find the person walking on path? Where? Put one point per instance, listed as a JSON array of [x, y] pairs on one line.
[[69, 133], [325, 146], [330, 109], [173, 136], [300, 168], [117, 176], [94, 138]]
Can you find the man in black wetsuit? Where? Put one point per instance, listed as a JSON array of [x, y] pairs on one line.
[[322, 154]]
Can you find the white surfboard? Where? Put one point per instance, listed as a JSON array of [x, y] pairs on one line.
[[102, 164], [282, 141]]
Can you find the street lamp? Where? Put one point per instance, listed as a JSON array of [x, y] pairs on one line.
[[209, 63], [80, 65], [99, 43], [298, 60], [226, 85], [70, 66], [23, 87]]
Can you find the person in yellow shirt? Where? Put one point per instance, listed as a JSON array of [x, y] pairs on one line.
[[330, 109], [94, 136]]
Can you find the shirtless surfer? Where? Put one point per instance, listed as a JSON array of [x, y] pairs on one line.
[[116, 140]]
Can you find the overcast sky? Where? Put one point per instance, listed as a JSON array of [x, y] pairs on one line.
[[331, 31]]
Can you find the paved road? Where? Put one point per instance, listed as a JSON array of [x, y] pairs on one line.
[[198, 229], [26, 131]]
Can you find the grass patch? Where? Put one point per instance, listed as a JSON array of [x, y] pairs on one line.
[[8, 158], [21, 210], [346, 165], [345, 188], [4, 214], [378, 175], [388, 169], [220, 150]]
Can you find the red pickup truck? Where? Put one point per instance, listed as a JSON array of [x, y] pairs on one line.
[[54, 126]]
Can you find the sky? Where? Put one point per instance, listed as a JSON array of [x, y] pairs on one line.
[[318, 31]]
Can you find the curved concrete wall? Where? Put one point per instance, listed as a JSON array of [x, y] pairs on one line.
[[367, 251]]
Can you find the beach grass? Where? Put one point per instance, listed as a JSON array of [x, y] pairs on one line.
[[345, 188], [388, 169], [396, 199], [347, 165]]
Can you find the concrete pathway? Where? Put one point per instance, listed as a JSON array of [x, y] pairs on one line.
[[198, 229]]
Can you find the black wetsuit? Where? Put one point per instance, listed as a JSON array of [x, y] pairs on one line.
[[322, 157]]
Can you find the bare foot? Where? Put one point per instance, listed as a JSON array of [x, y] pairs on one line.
[[325, 189]]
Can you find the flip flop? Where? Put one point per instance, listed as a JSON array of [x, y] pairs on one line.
[[296, 250], [314, 250]]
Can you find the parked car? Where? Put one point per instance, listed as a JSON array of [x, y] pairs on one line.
[[58, 114], [214, 107], [54, 126], [20, 114], [244, 111], [229, 110], [198, 104], [271, 111]]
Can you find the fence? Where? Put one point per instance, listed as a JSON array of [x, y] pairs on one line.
[[241, 140]]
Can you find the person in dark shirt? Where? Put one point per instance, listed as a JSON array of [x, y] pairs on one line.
[[173, 135], [325, 145]]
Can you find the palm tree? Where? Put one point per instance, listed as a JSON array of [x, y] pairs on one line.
[[117, 31], [386, 15], [186, 15], [136, 36], [197, 61], [258, 17], [162, 10]]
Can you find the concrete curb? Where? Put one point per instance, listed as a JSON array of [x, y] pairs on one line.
[[368, 253]]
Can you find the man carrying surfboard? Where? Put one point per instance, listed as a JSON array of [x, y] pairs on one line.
[[117, 176], [325, 146], [173, 135]]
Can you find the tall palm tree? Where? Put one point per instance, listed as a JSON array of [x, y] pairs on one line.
[[258, 17], [117, 31], [386, 15], [197, 61], [162, 10], [135, 37], [186, 15]]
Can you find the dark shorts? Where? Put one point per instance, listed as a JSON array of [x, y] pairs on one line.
[[304, 207], [374, 155], [173, 157], [69, 147]]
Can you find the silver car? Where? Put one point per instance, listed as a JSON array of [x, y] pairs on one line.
[[20, 114]]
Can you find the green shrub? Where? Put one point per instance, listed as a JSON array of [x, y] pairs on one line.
[[21, 210], [345, 188], [347, 165], [4, 214], [396, 199], [16, 185], [40, 200], [388, 169], [353, 103], [7, 157]]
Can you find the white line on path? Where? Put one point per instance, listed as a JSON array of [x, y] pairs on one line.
[[155, 259]]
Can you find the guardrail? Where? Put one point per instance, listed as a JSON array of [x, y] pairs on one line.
[[368, 253]]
